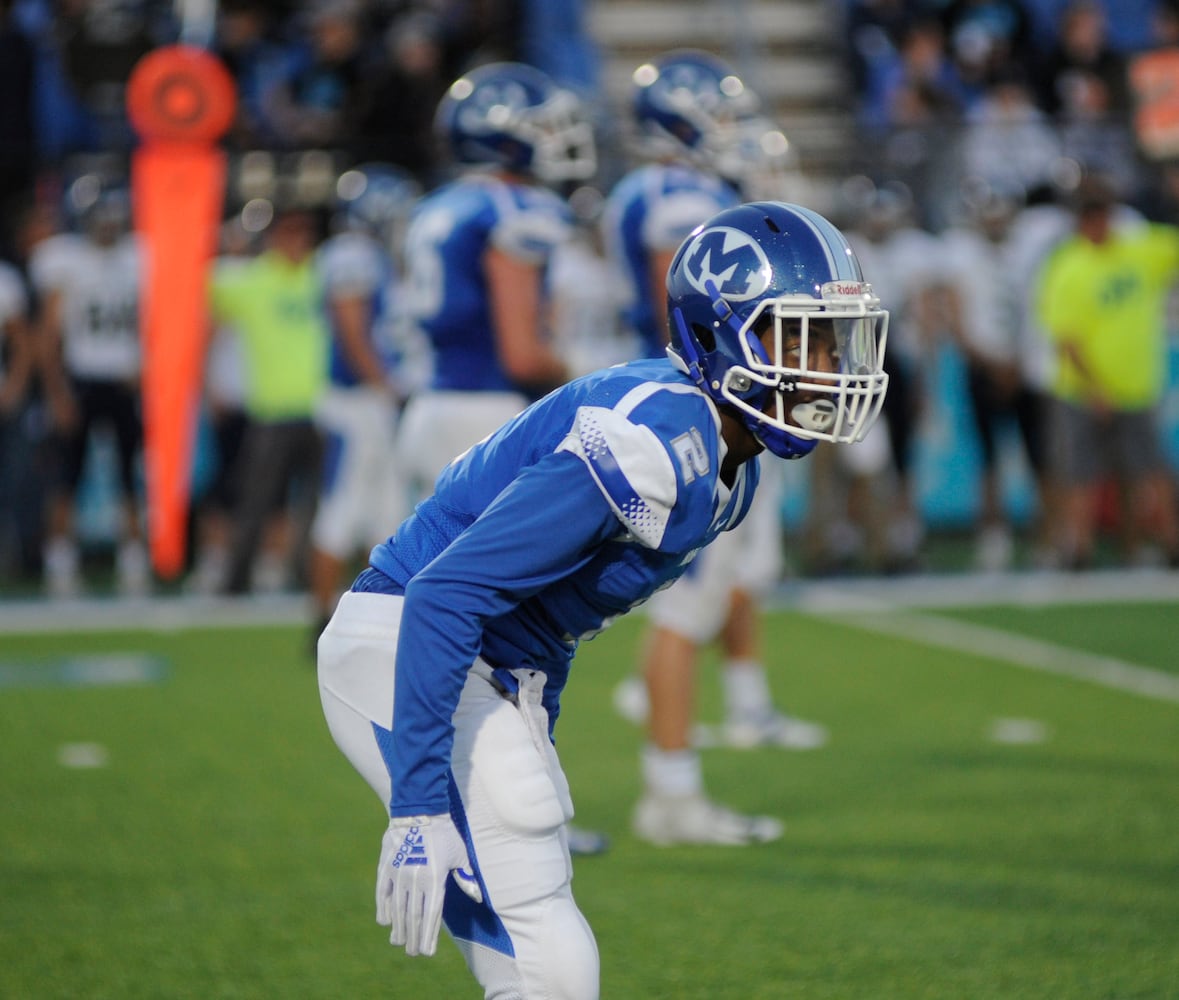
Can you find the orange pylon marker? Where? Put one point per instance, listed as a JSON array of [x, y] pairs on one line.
[[181, 101]]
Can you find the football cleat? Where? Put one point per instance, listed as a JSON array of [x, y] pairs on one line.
[[667, 820], [774, 729], [584, 843]]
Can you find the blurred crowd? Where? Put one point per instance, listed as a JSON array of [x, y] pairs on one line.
[[989, 133]]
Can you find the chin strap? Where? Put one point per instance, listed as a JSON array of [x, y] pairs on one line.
[[777, 441], [689, 357]]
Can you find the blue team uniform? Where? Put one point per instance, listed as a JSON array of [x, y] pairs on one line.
[[355, 263], [656, 206], [448, 296], [616, 478]]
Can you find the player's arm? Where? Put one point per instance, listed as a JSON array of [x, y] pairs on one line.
[[49, 360], [544, 526], [1059, 310], [514, 290], [19, 362], [351, 316]]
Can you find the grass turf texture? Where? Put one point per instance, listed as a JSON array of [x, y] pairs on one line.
[[227, 849]]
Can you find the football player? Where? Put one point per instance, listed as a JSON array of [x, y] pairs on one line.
[[362, 485], [89, 285], [442, 670], [476, 252], [706, 146]]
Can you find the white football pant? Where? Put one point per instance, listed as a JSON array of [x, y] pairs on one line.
[[528, 940], [363, 492], [439, 426], [748, 558]]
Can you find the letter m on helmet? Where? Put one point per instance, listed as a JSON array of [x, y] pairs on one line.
[[731, 260]]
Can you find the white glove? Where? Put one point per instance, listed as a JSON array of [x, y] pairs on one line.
[[418, 854]]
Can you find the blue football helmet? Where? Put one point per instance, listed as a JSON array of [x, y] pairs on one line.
[[372, 196], [690, 104], [377, 199], [761, 162], [515, 117], [776, 266], [99, 206]]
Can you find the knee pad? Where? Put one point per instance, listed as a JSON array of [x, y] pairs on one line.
[[556, 957], [569, 952]]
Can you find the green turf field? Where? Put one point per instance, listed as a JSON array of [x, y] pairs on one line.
[[224, 849]]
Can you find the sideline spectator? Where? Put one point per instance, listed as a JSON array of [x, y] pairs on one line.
[[274, 304], [921, 86], [89, 283], [396, 120], [985, 35], [984, 318], [245, 41], [223, 424], [317, 103], [17, 368], [100, 43], [1009, 143], [1102, 300], [1083, 74], [899, 258], [18, 151], [1084, 86]]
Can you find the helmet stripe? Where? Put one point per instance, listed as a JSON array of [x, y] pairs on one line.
[[827, 237]]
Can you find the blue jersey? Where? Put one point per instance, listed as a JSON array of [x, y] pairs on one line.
[[352, 264], [448, 299], [654, 208], [568, 516]]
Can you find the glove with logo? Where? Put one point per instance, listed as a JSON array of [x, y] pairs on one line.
[[418, 855]]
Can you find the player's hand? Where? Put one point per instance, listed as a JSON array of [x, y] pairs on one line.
[[418, 855]]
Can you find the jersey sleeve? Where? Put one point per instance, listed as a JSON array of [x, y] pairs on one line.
[[350, 266], [657, 456], [556, 508], [530, 230], [13, 300], [671, 218], [1163, 251], [1056, 312], [228, 285], [52, 263], [631, 468]]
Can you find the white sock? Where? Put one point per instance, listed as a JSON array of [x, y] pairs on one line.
[[746, 690], [671, 772], [61, 557]]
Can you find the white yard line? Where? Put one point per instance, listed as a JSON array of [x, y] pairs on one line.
[[979, 589], [1021, 651], [881, 604], [159, 614]]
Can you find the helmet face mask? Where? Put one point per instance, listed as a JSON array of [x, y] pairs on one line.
[[758, 159], [818, 374], [771, 317], [515, 117]]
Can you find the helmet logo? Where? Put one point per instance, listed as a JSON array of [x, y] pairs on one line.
[[492, 107], [729, 258]]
